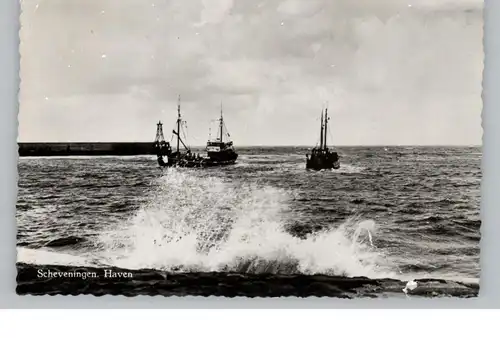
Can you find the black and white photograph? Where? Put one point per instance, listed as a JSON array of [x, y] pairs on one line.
[[236, 148]]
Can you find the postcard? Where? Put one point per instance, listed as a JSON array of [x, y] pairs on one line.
[[233, 148]]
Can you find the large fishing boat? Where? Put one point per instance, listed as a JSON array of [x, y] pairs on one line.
[[219, 152], [321, 157]]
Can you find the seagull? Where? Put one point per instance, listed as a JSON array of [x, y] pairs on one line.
[[411, 285]]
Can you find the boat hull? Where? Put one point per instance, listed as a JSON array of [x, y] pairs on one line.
[[323, 161], [193, 163], [322, 166], [222, 157]]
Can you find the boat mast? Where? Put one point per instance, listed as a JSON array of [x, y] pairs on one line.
[[178, 123], [326, 126], [321, 137], [221, 122]]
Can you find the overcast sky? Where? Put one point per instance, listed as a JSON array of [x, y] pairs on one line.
[[393, 71]]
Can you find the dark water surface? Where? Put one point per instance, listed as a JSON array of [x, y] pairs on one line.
[[389, 212]]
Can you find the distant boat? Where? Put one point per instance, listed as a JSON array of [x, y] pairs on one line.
[[321, 157], [219, 153]]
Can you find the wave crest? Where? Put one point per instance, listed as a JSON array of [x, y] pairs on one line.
[[208, 224]]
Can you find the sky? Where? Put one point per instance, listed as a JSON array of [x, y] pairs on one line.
[[392, 72]]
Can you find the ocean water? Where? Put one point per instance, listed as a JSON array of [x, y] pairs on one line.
[[389, 212]]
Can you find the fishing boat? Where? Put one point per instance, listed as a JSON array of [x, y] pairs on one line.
[[219, 152], [321, 157], [166, 156]]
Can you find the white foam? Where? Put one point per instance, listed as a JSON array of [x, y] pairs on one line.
[[210, 225], [45, 257]]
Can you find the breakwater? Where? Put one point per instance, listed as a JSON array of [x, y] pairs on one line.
[[86, 149], [67, 280]]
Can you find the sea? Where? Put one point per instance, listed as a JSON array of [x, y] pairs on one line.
[[389, 212]]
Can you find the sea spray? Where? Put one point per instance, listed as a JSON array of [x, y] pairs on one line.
[[209, 224]]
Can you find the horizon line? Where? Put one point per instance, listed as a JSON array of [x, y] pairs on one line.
[[270, 145]]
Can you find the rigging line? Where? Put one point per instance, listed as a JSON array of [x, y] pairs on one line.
[[184, 125], [331, 135], [174, 127], [184, 134]]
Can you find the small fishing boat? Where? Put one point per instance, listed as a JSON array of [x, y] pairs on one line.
[[322, 157]]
